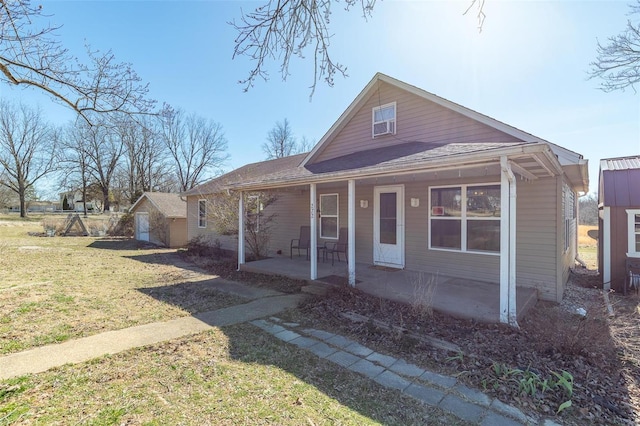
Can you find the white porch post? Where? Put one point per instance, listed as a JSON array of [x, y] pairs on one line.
[[241, 257], [508, 313], [351, 247], [314, 232]]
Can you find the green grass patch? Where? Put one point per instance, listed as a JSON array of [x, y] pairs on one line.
[[236, 375]]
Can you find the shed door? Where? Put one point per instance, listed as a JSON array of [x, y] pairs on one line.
[[142, 226], [388, 226]]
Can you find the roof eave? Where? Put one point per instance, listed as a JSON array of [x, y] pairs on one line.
[[454, 160]]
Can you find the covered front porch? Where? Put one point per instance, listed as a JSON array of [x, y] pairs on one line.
[[461, 298]]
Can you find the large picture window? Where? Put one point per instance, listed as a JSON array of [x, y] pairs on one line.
[[633, 219], [202, 213], [329, 216], [465, 218]]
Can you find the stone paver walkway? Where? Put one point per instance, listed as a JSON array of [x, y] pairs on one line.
[[430, 388]]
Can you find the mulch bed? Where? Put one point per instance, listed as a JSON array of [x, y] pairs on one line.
[[513, 364]]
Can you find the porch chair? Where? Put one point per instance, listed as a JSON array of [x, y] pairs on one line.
[[336, 247], [632, 276], [302, 242]]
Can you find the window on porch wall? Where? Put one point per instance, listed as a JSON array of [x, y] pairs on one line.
[[633, 217], [329, 216], [202, 213], [465, 218]]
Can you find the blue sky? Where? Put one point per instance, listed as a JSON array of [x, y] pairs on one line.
[[528, 67]]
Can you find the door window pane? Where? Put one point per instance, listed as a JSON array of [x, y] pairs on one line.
[[388, 217]]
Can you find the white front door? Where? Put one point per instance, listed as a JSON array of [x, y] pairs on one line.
[[142, 226], [388, 226]]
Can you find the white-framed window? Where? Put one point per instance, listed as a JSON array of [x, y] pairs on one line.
[[570, 213], [329, 220], [465, 218], [202, 213], [383, 119], [633, 237]]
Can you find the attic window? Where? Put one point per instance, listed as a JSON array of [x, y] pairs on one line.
[[384, 120]]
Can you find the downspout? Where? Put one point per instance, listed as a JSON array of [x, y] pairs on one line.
[[508, 307]]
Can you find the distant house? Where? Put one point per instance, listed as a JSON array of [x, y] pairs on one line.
[[423, 184], [75, 202], [160, 218], [619, 219]]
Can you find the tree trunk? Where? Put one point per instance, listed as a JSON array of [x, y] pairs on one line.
[[105, 197], [23, 205]]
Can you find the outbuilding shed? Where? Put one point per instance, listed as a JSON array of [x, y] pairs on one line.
[[160, 218], [619, 220]]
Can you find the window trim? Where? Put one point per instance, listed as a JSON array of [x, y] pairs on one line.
[[202, 217], [337, 215], [393, 120], [463, 218], [631, 233]]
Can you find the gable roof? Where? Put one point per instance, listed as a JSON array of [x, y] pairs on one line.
[[564, 155], [619, 179], [171, 206], [530, 156]]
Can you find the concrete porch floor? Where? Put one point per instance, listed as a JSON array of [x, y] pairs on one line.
[[478, 300]]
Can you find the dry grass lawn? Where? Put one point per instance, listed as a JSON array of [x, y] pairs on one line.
[[58, 288], [588, 246]]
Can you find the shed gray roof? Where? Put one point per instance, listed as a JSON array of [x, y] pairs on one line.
[[170, 205], [620, 181], [620, 163]]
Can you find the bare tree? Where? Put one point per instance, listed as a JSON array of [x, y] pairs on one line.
[[618, 61], [27, 145], [146, 164], [196, 145], [588, 210], [73, 160], [280, 141], [32, 56], [286, 28], [103, 147]]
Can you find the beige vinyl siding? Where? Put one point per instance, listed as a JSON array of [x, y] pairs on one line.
[[537, 236], [177, 232], [228, 242], [417, 119]]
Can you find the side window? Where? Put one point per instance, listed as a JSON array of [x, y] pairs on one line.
[[383, 120], [329, 216], [633, 220], [202, 213]]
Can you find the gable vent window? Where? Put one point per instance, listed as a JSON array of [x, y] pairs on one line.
[[384, 120]]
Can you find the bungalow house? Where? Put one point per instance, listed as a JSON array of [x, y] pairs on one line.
[[422, 184], [618, 220], [160, 218]]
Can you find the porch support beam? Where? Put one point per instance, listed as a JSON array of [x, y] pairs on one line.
[[313, 249], [241, 256], [351, 247], [508, 313]]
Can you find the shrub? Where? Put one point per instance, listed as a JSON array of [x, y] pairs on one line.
[[122, 227]]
